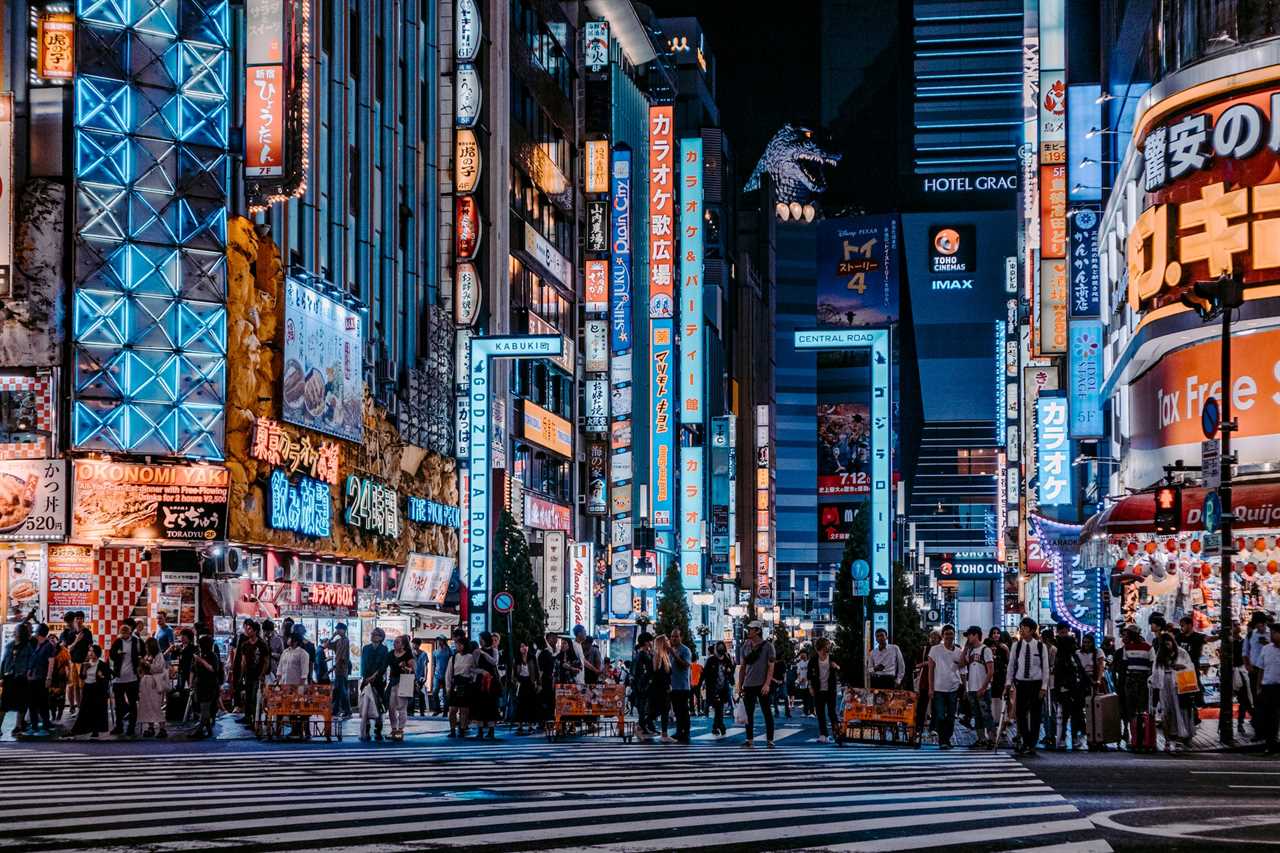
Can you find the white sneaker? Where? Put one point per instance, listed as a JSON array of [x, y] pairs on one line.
[[822, 738]]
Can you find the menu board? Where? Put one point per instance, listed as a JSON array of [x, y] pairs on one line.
[[426, 579], [73, 581], [33, 499], [23, 574], [123, 500], [323, 388]]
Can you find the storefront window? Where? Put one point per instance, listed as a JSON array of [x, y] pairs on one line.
[[976, 461]]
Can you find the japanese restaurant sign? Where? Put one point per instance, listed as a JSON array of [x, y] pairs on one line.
[[126, 500], [264, 94], [279, 446], [33, 499], [56, 41]]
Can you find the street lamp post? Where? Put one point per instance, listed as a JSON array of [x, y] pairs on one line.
[[1218, 299]]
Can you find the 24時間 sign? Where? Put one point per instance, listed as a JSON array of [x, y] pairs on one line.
[[372, 505]]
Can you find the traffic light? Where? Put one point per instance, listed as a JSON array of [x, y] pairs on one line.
[[1210, 298], [1168, 509]]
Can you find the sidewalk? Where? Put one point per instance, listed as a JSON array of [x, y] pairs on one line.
[[1204, 740]]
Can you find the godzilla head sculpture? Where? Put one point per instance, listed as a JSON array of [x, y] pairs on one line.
[[795, 164]]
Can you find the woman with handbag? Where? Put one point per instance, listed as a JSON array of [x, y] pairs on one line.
[[459, 676], [1173, 678], [403, 684]]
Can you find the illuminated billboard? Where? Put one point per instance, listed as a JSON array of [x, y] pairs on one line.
[[692, 332], [662, 422], [661, 206]]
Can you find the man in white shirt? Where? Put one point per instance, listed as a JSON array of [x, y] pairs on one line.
[[884, 663], [1029, 682], [979, 666], [1268, 662], [945, 661]]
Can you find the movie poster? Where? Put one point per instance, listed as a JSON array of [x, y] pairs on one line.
[[844, 449]]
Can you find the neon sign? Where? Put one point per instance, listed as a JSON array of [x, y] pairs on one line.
[[304, 507]]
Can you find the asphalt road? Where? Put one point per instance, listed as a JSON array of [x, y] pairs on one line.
[[1184, 802]]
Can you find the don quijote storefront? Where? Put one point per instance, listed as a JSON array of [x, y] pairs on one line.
[[1198, 199]]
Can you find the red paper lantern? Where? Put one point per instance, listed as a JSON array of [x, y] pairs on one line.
[[1151, 547], [1171, 546], [1121, 564], [1272, 567], [1206, 570], [1133, 548], [1195, 546], [1250, 569], [1259, 544]]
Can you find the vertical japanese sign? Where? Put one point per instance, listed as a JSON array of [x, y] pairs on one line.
[[763, 509], [691, 247], [264, 121], [692, 476], [56, 43], [1052, 318], [1086, 379], [1053, 449], [595, 44], [620, 252], [597, 179], [721, 521], [662, 422], [1086, 278], [661, 204], [553, 586], [597, 286]]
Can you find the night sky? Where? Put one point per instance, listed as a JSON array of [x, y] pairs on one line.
[[767, 69]]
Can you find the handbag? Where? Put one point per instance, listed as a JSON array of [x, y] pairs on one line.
[[739, 713], [369, 702], [1185, 679], [405, 686]]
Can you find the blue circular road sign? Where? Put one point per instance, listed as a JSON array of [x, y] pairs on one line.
[[860, 570], [504, 602], [1210, 417], [1212, 511]]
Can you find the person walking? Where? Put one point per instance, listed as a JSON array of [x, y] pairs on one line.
[[998, 642], [126, 656], [1134, 672], [945, 664], [885, 665], [681, 684], [374, 662], [39, 680], [153, 687], [778, 687], [13, 677], [488, 687], [800, 679], [755, 676], [459, 683], [92, 717], [641, 681], [294, 670], [1245, 699], [1175, 703], [341, 648], [421, 664], [528, 684], [717, 675], [207, 677], [979, 670], [1267, 660], [1029, 667], [1257, 639], [823, 677], [547, 675], [1070, 686], [440, 655], [660, 684], [403, 685], [1191, 640]]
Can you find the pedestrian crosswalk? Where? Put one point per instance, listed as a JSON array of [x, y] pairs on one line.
[[518, 795]]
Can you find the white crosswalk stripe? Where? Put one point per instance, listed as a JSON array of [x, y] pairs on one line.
[[525, 794]]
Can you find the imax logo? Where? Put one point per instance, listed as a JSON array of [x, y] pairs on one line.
[[953, 284]]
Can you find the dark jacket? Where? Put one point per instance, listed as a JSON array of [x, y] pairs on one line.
[[717, 676], [136, 651], [535, 675], [833, 677]]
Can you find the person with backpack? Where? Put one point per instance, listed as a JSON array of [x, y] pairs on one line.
[[1029, 668], [979, 669], [1070, 687]]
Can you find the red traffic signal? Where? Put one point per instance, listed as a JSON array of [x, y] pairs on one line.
[[1168, 509]]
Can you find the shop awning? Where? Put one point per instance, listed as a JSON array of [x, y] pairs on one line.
[[1256, 506]]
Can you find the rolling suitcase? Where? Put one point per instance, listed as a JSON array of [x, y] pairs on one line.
[[1142, 732], [1102, 722], [176, 706]]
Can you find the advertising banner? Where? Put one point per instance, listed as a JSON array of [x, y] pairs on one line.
[[553, 588], [692, 478], [1053, 211], [426, 579], [73, 580], [597, 287], [264, 130], [323, 384], [125, 500], [1085, 381], [661, 206], [56, 46], [692, 332], [858, 275], [597, 478], [662, 423], [1086, 278], [844, 449], [620, 252], [595, 44], [582, 596], [33, 499], [546, 429], [1052, 318], [1053, 449], [542, 514]]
